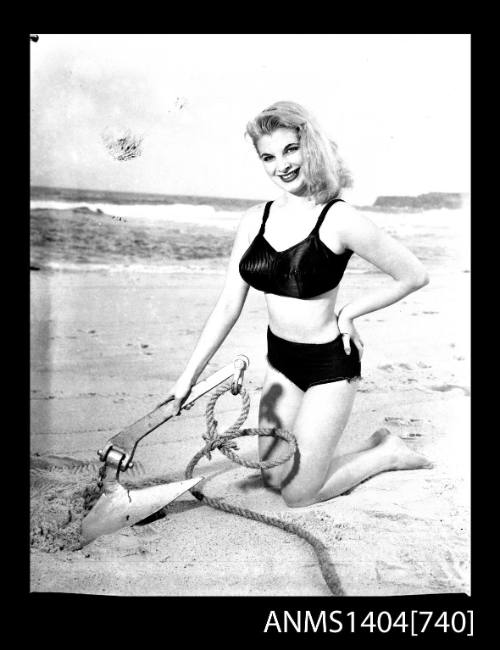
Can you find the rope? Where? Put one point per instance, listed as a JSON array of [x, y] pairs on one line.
[[224, 443]]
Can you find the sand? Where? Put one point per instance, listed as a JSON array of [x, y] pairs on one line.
[[107, 345]]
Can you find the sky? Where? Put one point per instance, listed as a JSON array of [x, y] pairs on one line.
[[397, 105]]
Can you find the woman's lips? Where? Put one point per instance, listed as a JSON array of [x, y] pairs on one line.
[[291, 176]]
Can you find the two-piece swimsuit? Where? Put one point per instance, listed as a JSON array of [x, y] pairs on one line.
[[305, 270]]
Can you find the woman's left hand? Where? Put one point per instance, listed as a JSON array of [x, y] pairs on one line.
[[349, 332]]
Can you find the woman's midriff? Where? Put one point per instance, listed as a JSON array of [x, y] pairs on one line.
[[305, 321]]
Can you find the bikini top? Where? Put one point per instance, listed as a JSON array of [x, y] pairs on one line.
[[304, 270]]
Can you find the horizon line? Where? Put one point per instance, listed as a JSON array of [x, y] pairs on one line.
[[230, 198]]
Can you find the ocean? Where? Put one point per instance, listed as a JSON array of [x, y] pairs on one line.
[[112, 230], [73, 229]]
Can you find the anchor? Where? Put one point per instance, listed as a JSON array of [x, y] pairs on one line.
[[118, 507]]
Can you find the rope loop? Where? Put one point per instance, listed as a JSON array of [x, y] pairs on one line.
[[224, 441]]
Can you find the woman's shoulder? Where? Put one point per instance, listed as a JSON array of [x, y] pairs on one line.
[[339, 214], [252, 218], [254, 211], [345, 215], [341, 206], [345, 225]]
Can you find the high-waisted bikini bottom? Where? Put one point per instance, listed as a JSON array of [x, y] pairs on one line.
[[310, 364]]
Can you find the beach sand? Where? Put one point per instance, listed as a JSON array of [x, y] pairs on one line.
[[107, 345]]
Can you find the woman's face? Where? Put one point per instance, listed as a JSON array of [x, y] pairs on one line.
[[281, 156]]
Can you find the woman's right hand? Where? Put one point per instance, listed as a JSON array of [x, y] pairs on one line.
[[179, 391]]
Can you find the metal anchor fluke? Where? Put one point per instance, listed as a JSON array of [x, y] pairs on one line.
[[119, 507]]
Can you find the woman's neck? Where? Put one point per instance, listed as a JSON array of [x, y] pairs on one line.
[[288, 200]]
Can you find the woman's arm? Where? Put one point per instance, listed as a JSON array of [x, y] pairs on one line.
[[363, 237], [223, 316]]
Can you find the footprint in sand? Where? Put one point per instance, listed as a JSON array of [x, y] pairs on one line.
[[411, 436], [401, 421], [387, 367], [405, 422], [447, 387]]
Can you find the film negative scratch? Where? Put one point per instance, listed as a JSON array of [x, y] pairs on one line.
[[121, 143]]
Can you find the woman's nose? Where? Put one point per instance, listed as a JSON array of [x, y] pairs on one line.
[[283, 166]]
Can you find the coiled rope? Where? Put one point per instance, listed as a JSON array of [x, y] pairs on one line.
[[224, 443]]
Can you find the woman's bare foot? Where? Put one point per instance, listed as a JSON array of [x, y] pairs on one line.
[[402, 456]]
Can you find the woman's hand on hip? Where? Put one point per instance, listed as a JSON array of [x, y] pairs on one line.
[[349, 333]]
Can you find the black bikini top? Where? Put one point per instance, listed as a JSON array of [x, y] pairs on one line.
[[304, 270]]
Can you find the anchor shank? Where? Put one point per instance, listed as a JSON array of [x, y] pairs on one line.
[[125, 442]]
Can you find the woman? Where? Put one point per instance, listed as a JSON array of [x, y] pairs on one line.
[[295, 249]]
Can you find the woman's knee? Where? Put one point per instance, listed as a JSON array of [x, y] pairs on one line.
[[299, 497], [294, 497]]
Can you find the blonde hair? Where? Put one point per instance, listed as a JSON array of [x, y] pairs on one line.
[[324, 170]]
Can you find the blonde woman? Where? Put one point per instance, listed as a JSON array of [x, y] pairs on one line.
[[295, 249]]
